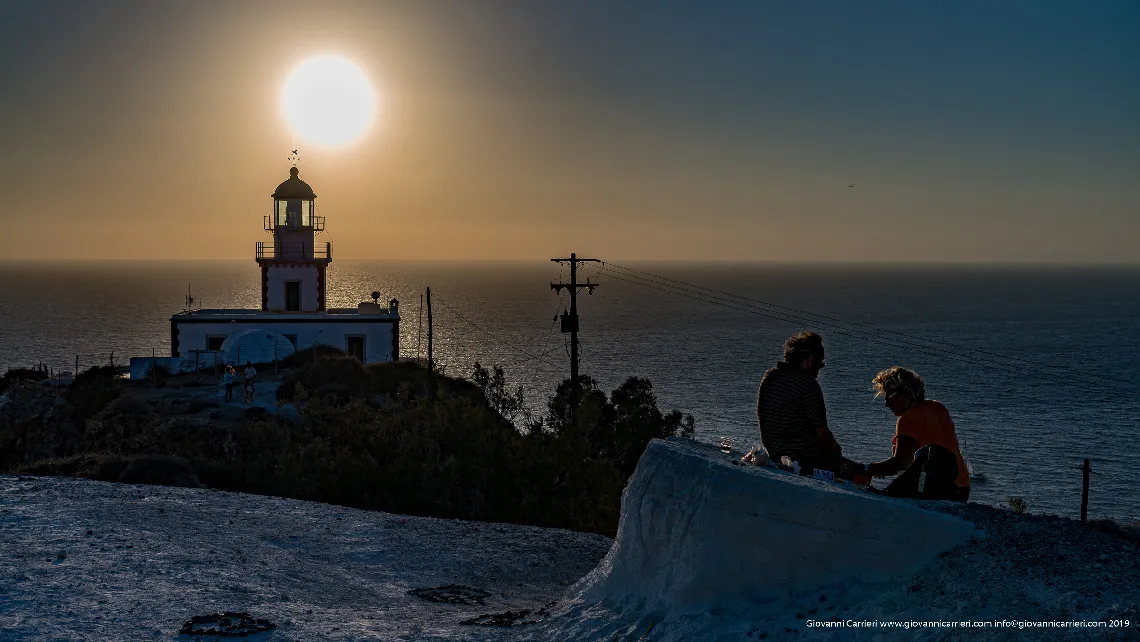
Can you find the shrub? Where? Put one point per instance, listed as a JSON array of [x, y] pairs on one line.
[[98, 466], [159, 470], [1018, 504], [341, 377], [91, 391], [493, 385], [309, 355], [1128, 530], [20, 374], [157, 373]]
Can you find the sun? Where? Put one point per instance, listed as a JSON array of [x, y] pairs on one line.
[[328, 101]]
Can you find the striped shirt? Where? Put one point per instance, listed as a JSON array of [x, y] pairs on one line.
[[789, 409]]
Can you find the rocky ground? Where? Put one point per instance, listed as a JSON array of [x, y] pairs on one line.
[[86, 560]]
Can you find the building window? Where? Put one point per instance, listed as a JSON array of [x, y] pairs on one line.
[[293, 213], [354, 345], [282, 212], [215, 341], [306, 213], [292, 296]]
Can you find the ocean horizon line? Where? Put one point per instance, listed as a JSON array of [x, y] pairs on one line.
[[642, 262]]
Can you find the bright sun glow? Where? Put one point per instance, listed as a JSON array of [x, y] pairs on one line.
[[328, 101]]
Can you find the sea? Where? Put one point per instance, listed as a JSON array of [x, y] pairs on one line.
[[1039, 365]]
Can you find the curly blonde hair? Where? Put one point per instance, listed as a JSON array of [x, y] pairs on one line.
[[899, 380]]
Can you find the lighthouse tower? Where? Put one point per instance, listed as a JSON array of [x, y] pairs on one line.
[[293, 265]]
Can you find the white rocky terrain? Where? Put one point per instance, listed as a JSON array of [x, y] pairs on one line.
[[706, 550], [86, 560]]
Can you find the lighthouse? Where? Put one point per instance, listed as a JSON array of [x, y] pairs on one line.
[[294, 313], [293, 265]]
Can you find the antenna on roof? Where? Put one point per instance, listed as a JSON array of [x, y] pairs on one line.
[[190, 300], [294, 157]]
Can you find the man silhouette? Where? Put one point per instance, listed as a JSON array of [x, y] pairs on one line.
[[790, 408]]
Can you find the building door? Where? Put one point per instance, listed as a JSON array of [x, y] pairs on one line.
[[292, 296], [354, 345]]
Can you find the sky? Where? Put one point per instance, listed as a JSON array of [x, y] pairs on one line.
[[663, 130]]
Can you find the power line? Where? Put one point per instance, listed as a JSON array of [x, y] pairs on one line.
[[741, 307], [1098, 376], [494, 336], [893, 342]]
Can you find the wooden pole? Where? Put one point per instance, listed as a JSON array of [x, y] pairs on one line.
[[274, 356], [431, 358], [153, 370], [1085, 492], [420, 330], [75, 374]]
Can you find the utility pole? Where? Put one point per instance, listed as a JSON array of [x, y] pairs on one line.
[[431, 361], [570, 320]]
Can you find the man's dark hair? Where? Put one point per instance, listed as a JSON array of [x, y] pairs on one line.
[[802, 345]]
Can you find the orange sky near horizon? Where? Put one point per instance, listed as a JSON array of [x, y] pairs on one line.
[[151, 132]]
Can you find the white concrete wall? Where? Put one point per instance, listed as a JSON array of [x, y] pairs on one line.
[[307, 275], [377, 334]]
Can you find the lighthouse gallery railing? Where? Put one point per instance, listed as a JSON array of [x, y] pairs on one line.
[[293, 251]]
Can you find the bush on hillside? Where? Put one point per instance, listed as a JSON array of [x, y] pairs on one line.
[[439, 447], [493, 384], [91, 391], [341, 377], [159, 470], [21, 374], [311, 354], [158, 374], [98, 466]]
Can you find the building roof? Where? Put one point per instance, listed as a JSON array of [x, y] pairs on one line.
[[294, 188], [251, 313]]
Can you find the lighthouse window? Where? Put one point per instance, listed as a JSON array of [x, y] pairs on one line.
[[306, 213], [281, 212]]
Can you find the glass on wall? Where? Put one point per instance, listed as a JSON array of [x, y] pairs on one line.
[[306, 213], [293, 219], [282, 209]]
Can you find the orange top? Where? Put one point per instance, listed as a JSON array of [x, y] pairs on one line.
[[929, 423]]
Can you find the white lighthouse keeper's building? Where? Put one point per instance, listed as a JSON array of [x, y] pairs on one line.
[[293, 290]]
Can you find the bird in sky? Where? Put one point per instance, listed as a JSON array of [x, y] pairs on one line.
[[850, 186]]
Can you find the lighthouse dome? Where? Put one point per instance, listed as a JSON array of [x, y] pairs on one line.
[[294, 188], [256, 345]]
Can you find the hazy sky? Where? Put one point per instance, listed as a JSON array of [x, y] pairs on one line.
[[622, 130]]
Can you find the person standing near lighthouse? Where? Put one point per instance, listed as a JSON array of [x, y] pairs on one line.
[[250, 374]]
